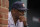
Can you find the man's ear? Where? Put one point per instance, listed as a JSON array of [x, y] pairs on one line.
[[13, 9]]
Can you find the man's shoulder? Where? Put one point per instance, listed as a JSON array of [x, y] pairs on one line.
[[10, 19], [9, 15], [9, 12]]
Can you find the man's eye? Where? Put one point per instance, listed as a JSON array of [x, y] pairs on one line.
[[21, 11]]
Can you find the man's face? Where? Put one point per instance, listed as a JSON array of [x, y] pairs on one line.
[[18, 13]]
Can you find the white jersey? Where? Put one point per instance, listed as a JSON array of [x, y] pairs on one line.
[[11, 21]]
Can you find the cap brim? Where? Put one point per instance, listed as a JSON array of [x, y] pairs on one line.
[[23, 9]]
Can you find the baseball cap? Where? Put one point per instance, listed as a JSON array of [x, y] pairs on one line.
[[19, 6]]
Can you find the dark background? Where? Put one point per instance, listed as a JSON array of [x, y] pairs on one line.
[[34, 10]]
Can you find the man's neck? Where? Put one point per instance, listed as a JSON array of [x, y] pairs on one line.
[[15, 20]]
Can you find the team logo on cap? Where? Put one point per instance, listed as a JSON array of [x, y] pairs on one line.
[[23, 5]]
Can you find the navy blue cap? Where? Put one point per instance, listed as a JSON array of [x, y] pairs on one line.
[[19, 5]]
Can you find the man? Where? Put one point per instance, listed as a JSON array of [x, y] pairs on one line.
[[16, 15]]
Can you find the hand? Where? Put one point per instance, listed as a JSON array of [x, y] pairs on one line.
[[23, 19]]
